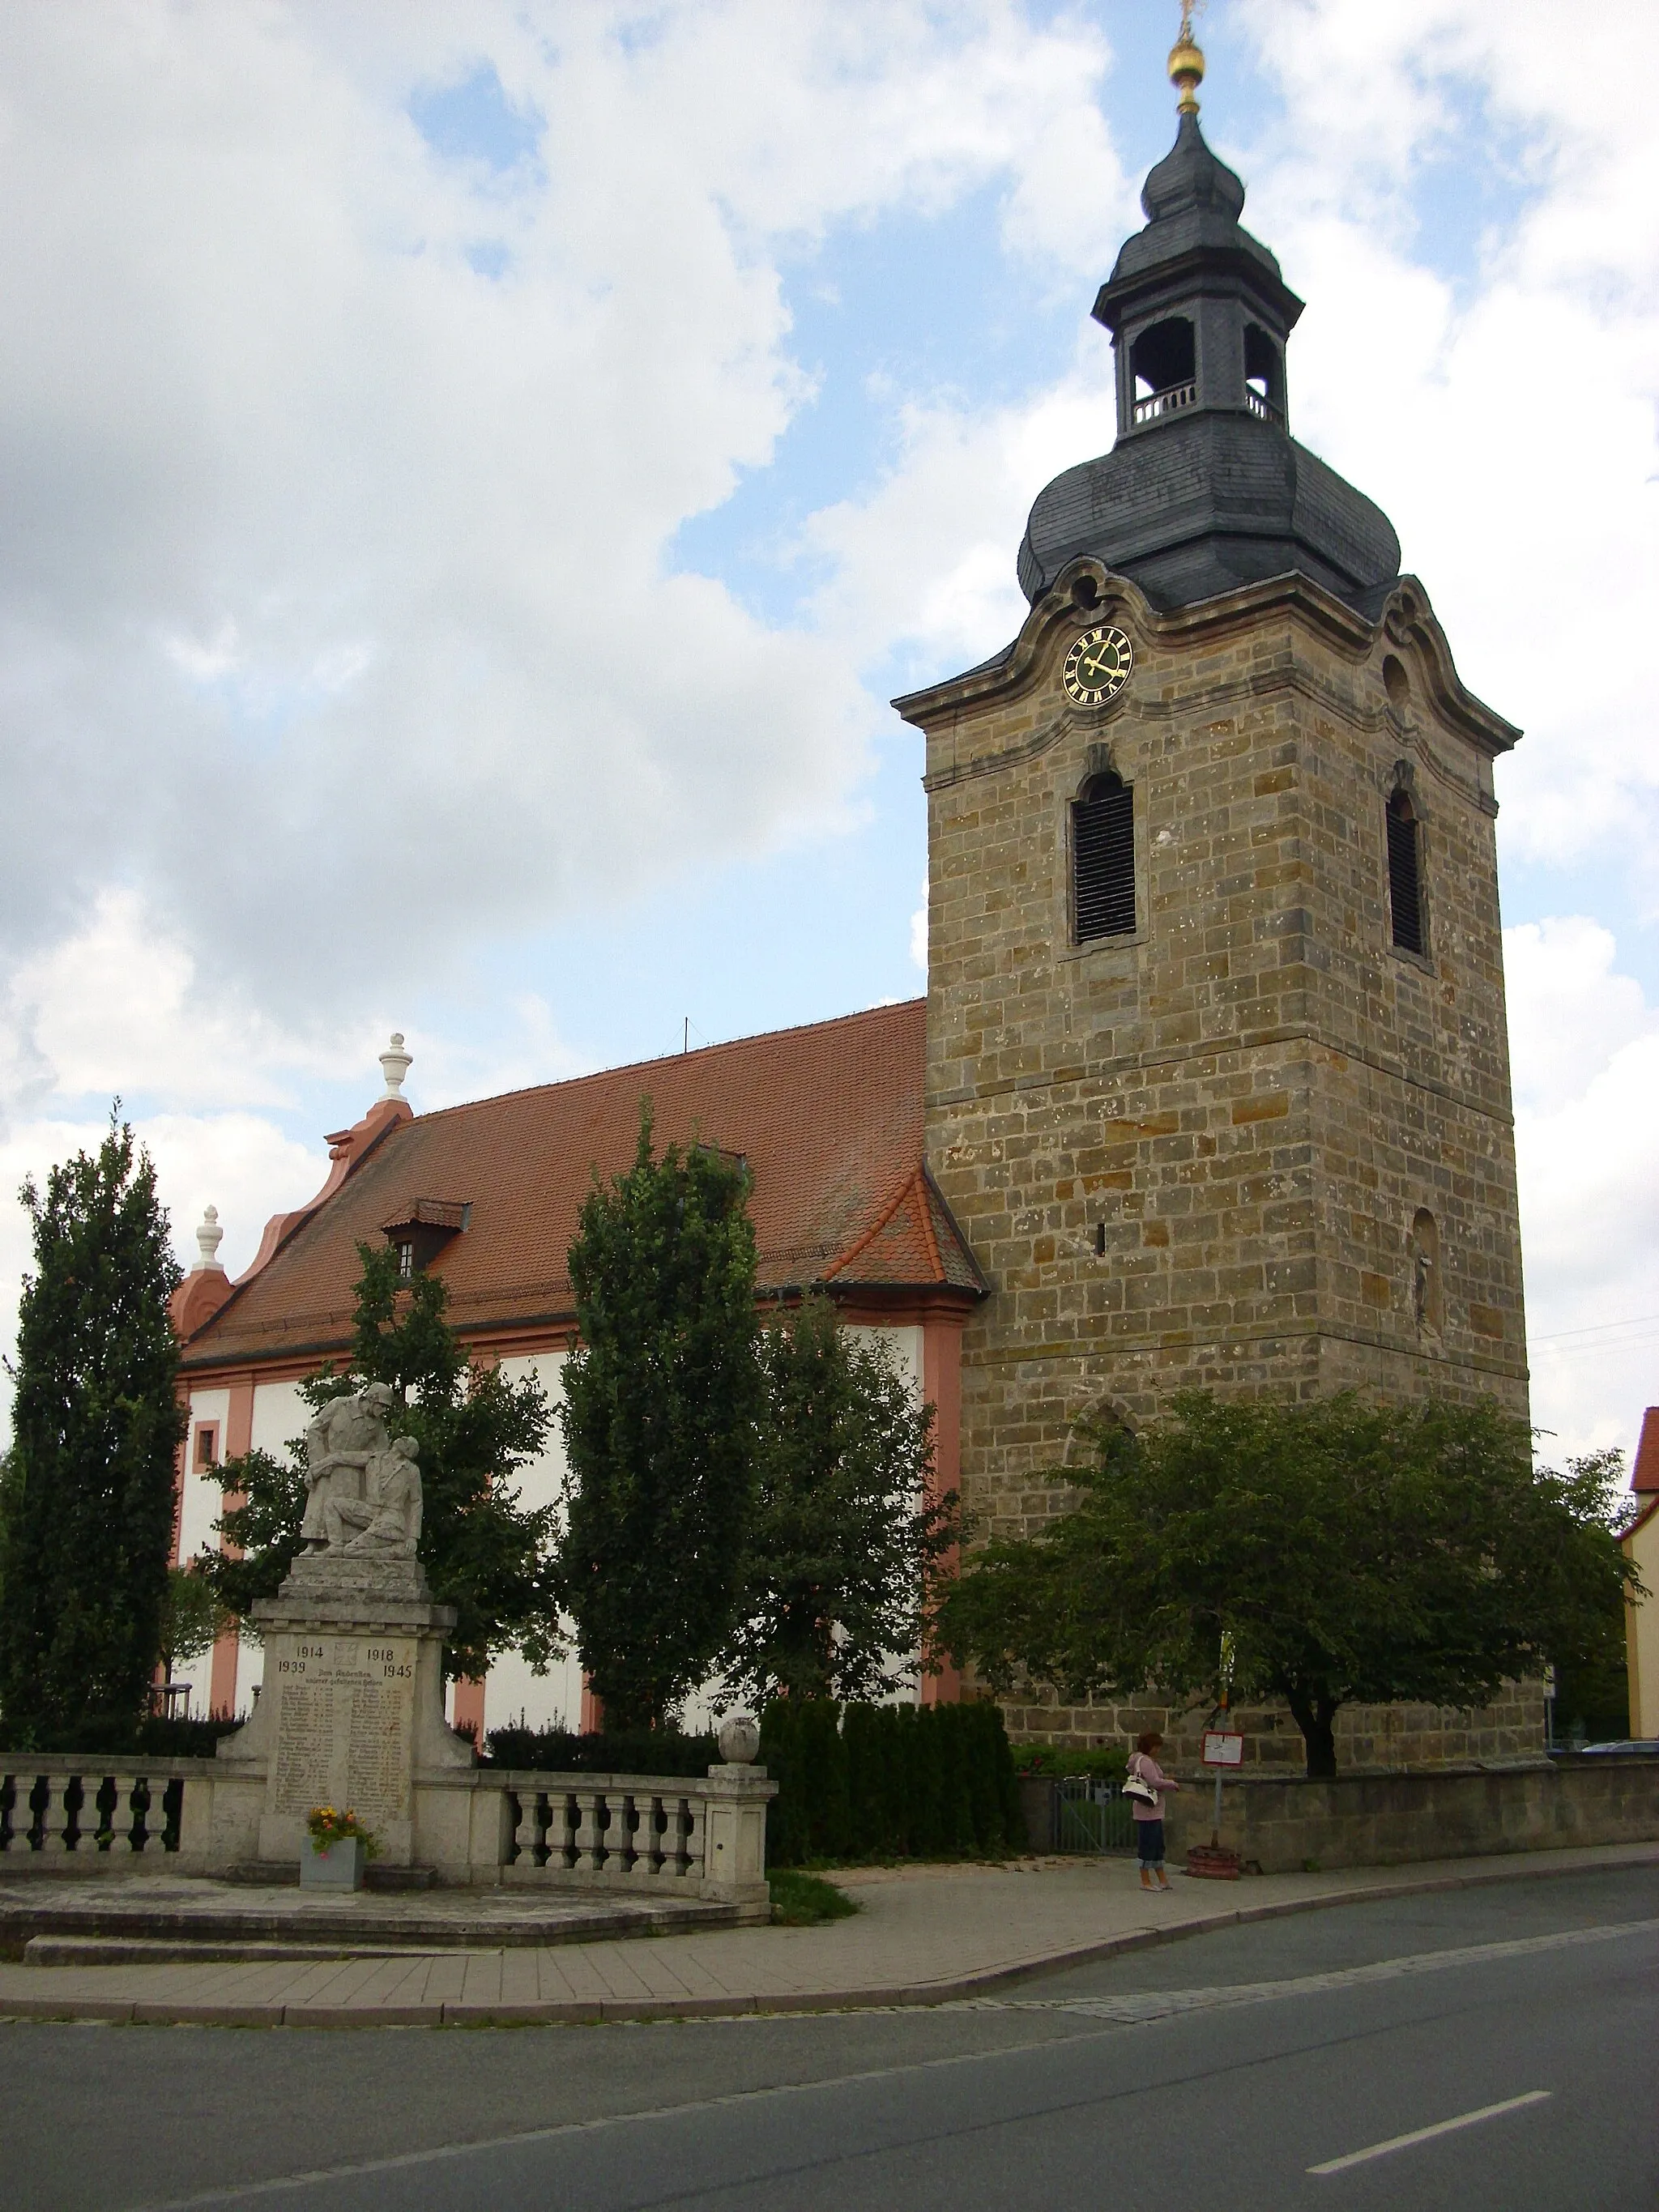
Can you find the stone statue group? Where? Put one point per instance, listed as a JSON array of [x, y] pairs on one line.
[[363, 1487]]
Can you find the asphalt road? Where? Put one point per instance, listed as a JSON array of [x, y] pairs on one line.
[[1223, 2070]]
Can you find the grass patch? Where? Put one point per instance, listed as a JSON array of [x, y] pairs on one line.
[[805, 1900]]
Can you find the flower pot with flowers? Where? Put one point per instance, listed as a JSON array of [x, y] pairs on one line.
[[339, 1846]]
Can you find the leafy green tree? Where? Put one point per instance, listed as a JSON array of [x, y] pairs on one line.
[[844, 1537], [86, 1498], [192, 1618], [1592, 1675], [1355, 1551], [661, 1398], [484, 1552]]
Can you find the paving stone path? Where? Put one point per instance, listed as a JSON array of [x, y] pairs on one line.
[[924, 1934]]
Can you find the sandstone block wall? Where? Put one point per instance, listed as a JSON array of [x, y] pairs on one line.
[[1201, 1155], [1391, 1819]]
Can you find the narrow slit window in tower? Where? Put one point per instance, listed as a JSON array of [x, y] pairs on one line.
[[1103, 858], [1405, 885]]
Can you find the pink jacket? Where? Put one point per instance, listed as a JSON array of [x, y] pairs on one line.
[[1145, 1768]]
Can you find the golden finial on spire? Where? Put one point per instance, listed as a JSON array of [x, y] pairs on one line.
[[1187, 64]]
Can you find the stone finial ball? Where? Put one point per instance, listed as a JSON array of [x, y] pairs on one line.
[[738, 1740]]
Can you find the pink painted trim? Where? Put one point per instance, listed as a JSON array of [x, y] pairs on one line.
[[227, 1652], [941, 1386]]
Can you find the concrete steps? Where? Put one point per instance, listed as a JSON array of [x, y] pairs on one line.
[[145, 1920]]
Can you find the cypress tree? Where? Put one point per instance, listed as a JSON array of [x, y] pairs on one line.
[[661, 1398], [86, 1498]]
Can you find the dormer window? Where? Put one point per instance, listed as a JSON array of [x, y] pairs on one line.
[[1164, 366], [1103, 858], [421, 1230]]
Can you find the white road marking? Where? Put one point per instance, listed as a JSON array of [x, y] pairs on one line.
[[1424, 2134], [1161, 2004]]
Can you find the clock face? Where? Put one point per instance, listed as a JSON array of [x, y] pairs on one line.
[[1098, 667]]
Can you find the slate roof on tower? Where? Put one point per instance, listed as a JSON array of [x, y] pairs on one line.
[[1205, 489], [829, 1118]]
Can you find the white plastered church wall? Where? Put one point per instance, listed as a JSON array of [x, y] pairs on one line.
[[200, 1505]]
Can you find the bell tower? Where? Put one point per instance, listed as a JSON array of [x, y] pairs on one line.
[[1219, 1082]]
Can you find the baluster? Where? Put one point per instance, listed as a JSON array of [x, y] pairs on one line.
[[149, 1819], [9, 1801], [125, 1835], [677, 1842], [697, 1837], [623, 1841], [56, 1817], [99, 1812], [542, 1820], [590, 1849], [648, 1843], [564, 1818], [524, 1828]]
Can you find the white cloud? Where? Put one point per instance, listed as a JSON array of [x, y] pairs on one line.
[[1585, 1046], [1504, 417], [337, 640], [337, 569]]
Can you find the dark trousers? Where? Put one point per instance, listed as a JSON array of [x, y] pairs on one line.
[[1149, 1842]]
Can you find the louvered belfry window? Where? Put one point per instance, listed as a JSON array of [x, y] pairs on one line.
[[1103, 858], [1405, 885]]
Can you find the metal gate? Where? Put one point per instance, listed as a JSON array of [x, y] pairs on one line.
[[1093, 1816]]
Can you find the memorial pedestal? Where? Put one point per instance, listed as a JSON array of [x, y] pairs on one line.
[[352, 1705]]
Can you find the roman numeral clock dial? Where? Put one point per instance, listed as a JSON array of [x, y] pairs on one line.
[[1098, 667]]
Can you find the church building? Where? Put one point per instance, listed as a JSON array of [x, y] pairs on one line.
[[1211, 1085]]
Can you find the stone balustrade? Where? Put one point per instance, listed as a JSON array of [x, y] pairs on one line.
[[692, 1836], [59, 1807], [702, 1837]]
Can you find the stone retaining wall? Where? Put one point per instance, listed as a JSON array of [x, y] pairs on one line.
[[1391, 1819]]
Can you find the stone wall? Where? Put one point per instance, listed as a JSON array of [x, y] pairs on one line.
[[1390, 1820], [1196, 1157], [1369, 1739]]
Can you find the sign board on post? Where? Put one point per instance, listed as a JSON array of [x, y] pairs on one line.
[[1222, 1748]]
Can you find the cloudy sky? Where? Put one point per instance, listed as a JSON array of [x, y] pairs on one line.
[[471, 478]]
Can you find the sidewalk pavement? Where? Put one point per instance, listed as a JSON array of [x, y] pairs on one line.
[[926, 1935]]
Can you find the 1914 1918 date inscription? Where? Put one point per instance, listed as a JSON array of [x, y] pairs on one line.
[[344, 1725]]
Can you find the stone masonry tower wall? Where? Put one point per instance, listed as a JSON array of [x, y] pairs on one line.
[[1217, 1066], [1254, 1146]]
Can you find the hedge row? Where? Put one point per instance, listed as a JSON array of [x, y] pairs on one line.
[[885, 1782], [560, 1751]]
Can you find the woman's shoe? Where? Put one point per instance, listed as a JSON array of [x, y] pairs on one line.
[[1163, 1878], [1145, 1877]]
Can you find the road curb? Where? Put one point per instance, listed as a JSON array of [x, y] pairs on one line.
[[594, 2011]]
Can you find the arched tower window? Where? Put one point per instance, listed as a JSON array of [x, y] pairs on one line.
[[1405, 874], [1428, 1286], [1264, 374], [1163, 369], [1103, 858]]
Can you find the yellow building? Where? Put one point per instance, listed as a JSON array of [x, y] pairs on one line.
[[1641, 1542]]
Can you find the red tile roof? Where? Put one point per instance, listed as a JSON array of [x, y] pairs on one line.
[[829, 1118]]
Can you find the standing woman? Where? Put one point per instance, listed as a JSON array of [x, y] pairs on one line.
[[1149, 1819]]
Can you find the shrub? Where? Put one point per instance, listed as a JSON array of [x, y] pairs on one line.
[[881, 1782], [560, 1751]]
